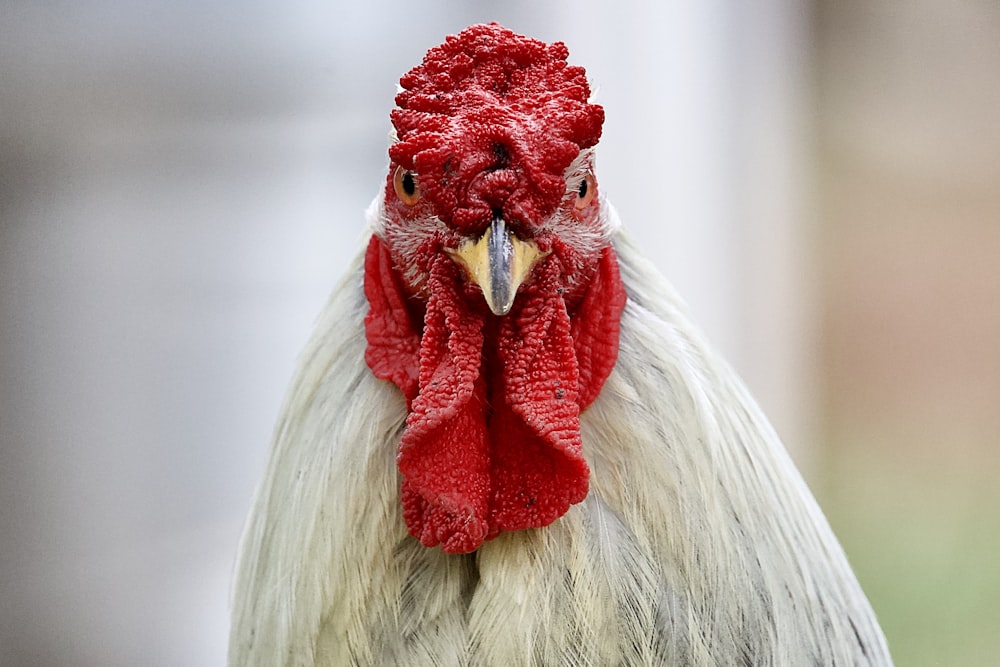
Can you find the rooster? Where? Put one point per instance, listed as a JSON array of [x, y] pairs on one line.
[[506, 444]]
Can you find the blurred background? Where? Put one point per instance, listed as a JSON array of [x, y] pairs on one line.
[[182, 183]]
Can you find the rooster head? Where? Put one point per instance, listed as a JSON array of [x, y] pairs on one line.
[[493, 289]]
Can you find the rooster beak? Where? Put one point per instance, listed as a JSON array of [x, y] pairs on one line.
[[498, 262]]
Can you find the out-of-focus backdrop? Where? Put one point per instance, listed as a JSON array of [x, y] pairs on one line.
[[182, 183]]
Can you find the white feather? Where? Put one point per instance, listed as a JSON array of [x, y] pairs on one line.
[[699, 543]]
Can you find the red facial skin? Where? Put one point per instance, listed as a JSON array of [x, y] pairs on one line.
[[488, 125]]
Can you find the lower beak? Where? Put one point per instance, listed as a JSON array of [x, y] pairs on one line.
[[499, 263]]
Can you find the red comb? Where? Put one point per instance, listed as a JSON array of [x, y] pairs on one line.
[[497, 106]]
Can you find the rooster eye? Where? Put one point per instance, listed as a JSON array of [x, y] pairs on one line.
[[586, 192], [405, 184]]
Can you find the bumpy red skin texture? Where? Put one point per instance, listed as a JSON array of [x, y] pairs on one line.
[[489, 123], [492, 440]]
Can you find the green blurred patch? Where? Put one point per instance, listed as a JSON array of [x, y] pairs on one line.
[[925, 542]]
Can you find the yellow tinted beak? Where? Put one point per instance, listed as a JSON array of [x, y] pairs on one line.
[[498, 262]]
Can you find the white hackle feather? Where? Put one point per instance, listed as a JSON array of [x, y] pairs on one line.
[[698, 544]]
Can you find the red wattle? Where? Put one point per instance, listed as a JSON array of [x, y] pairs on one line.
[[444, 451], [393, 336], [538, 465], [492, 439]]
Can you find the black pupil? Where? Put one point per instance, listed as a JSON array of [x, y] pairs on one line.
[[409, 184], [583, 188]]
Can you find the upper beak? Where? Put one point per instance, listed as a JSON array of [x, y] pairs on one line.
[[498, 262]]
